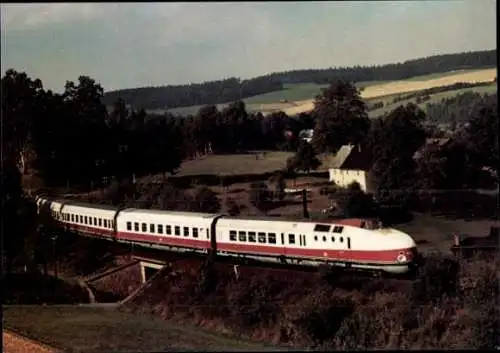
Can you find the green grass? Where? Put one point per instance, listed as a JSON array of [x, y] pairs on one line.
[[435, 98], [234, 164], [107, 329]]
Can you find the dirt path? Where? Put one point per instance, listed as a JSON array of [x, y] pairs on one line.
[[13, 343]]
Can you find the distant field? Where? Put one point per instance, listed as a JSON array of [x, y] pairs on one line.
[[298, 98], [106, 329], [435, 98]]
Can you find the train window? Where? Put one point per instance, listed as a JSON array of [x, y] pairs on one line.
[[272, 238], [168, 230], [262, 238], [242, 236], [129, 225], [136, 226], [338, 229], [252, 237], [95, 221], [144, 227], [341, 239], [232, 235], [321, 228], [151, 228], [195, 232], [85, 220], [186, 231], [291, 238], [105, 223], [72, 218], [316, 238], [177, 230], [324, 238], [333, 239], [160, 229], [100, 222]]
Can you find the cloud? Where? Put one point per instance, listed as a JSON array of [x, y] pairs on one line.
[[30, 16]]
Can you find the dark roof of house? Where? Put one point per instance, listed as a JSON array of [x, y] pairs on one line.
[[351, 157]]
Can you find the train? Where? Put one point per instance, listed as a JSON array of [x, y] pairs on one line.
[[357, 244]]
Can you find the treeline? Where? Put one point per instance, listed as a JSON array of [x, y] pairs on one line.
[[399, 71], [214, 92], [70, 138], [232, 89]]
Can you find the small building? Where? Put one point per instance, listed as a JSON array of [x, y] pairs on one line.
[[351, 164], [306, 135]]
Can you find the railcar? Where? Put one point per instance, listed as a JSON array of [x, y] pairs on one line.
[[312, 243], [97, 220], [176, 230]]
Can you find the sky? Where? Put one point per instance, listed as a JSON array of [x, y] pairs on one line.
[[127, 45]]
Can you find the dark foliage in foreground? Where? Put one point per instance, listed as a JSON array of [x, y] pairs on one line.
[[450, 306]]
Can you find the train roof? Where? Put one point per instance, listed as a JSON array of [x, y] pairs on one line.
[[354, 222], [90, 205], [149, 212]]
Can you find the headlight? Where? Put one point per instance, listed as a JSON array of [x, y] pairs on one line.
[[401, 257]]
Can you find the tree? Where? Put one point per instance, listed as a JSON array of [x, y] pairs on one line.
[[354, 202], [482, 137], [305, 159], [340, 116], [393, 143], [21, 102]]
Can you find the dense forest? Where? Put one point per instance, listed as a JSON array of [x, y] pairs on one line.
[[233, 89], [457, 109]]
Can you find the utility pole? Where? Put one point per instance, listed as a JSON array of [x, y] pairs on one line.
[[304, 203], [54, 252]]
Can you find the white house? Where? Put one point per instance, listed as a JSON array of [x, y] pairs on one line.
[[350, 165]]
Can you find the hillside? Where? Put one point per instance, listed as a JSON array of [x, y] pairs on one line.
[[216, 92]]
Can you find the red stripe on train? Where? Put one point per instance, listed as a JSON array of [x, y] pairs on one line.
[[92, 230], [165, 240]]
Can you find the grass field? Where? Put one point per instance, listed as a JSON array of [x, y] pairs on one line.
[[234, 164], [107, 329], [299, 97]]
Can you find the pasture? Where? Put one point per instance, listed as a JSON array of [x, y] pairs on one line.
[[234, 164]]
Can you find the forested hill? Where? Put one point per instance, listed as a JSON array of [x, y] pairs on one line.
[[232, 89]]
